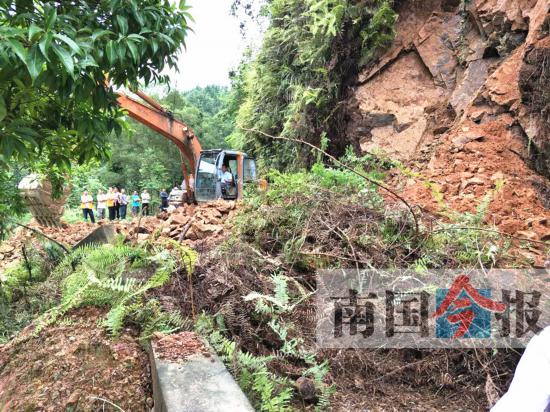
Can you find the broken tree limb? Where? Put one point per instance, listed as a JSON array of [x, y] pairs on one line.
[[38, 232], [185, 229]]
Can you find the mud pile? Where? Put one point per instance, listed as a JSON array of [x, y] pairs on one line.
[[74, 366], [463, 97]]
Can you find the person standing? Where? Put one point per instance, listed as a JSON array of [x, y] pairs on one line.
[[117, 203], [87, 206], [123, 204], [530, 387], [101, 204], [163, 200], [111, 195], [145, 200], [135, 203]]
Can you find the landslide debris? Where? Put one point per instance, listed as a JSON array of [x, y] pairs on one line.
[[329, 219], [75, 365], [192, 225], [462, 97]]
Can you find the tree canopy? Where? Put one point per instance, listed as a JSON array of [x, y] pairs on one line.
[[55, 59], [60, 62]]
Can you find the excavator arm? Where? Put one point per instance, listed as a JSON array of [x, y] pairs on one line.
[[155, 117]]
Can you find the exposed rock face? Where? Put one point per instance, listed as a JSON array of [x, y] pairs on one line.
[[463, 96], [394, 116]]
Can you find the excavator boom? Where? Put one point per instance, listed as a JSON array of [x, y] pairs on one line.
[[158, 119]]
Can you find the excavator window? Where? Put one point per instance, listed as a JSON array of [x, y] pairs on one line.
[[249, 170], [206, 178], [230, 192], [232, 167]]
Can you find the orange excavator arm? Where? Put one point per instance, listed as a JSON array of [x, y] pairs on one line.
[[162, 121]]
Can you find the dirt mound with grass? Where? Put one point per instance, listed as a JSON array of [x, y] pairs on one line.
[[75, 365], [258, 287]]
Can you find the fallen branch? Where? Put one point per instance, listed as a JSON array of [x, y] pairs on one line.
[[97, 398], [266, 258], [186, 229], [397, 370], [139, 223], [27, 263], [338, 162], [333, 256]]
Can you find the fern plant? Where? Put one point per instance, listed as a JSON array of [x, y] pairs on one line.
[[269, 391], [106, 276], [265, 389]]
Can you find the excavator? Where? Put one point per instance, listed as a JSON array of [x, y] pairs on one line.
[[205, 164]]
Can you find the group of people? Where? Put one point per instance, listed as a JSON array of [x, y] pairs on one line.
[[114, 204]]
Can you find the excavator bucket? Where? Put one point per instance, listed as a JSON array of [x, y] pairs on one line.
[[101, 235], [37, 194]]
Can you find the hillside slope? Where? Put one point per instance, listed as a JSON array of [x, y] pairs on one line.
[[463, 96]]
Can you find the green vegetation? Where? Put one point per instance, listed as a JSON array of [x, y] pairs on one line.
[[294, 86], [267, 390], [205, 110], [55, 58], [289, 218], [25, 289], [10, 202], [117, 277]]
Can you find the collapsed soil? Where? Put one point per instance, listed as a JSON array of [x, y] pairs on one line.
[[65, 358], [178, 347], [461, 99], [193, 225], [74, 365]]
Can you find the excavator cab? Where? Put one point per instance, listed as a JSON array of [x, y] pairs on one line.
[[208, 174]]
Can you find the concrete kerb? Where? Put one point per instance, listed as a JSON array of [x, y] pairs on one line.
[[197, 384]]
